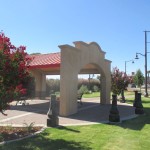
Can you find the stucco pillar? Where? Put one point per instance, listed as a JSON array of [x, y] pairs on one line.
[[68, 93], [43, 86], [105, 91], [68, 80], [40, 84]]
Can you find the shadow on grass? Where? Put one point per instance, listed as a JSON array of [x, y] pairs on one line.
[[68, 129], [137, 123], [145, 101], [43, 143], [129, 101], [142, 120]]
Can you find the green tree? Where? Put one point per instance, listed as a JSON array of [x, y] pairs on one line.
[[95, 88], [52, 85], [138, 78], [83, 90]]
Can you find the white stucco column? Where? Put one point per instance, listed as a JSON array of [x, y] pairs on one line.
[[105, 90], [68, 94], [43, 86], [68, 80], [40, 84]]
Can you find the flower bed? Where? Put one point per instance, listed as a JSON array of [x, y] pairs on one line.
[[8, 133]]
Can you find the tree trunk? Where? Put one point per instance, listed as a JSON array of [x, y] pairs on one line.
[[122, 96]]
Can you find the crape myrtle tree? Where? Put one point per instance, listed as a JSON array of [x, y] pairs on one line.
[[119, 81], [13, 72]]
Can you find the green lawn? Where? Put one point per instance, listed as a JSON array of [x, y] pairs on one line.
[[97, 94], [94, 94], [128, 135]]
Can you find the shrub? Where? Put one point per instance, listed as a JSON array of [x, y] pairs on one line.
[[95, 88], [52, 86], [13, 72], [83, 90]]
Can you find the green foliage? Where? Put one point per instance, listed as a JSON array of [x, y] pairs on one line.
[[29, 127], [138, 78], [1, 138], [90, 85], [83, 90], [9, 127], [95, 88], [30, 86], [91, 95], [52, 86]]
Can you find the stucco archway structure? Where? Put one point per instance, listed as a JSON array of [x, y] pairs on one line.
[[73, 60]]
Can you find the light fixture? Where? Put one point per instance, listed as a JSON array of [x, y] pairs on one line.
[[136, 56]]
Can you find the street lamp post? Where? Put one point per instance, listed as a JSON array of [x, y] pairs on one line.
[[126, 64], [145, 55]]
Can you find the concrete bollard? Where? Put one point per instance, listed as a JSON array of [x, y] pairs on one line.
[[135, 99], [53, 119], [114, 113], [139, 106]]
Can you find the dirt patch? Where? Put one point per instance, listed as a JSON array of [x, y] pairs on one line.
[[8, 133]]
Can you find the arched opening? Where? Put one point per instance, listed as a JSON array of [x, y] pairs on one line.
[[90, 86], [52, 85]]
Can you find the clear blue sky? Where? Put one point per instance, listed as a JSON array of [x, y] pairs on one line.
[[116, 25]]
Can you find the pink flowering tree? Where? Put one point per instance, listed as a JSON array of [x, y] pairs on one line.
[[119, 81], [13, 72]]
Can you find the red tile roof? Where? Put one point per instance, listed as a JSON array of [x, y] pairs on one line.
[[45, 60]]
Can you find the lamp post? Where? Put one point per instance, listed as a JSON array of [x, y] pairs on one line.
[[126, 64], [145, 55]]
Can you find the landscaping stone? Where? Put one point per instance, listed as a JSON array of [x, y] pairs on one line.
[[53, 119], [135, 99], [139, 106]]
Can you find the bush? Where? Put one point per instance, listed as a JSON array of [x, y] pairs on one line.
[[52, 86], [95, 88], [90, 86], [83, 90]]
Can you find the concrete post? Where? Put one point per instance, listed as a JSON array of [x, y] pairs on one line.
[[53, 119], [43, 86], [68, 94], [105, 90]]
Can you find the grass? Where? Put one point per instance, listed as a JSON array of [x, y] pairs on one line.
[[97, 94], [90, 95], [132, 134]]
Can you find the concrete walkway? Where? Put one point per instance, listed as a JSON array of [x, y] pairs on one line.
[[91, 112]]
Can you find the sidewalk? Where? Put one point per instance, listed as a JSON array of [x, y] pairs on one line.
[[91, 112]]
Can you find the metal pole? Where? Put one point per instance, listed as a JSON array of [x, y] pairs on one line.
[[146, 93], [125, 67]]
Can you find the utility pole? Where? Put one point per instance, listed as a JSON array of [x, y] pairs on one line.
[[146, 92], [145, 55]]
